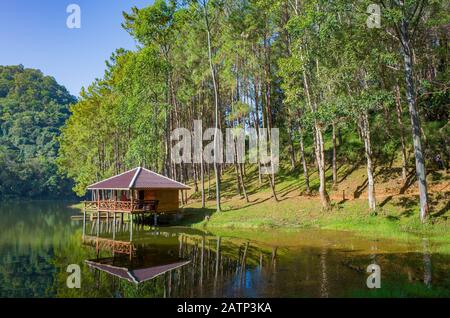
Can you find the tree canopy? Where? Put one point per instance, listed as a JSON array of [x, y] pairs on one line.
[[33, 107], [315, 69]]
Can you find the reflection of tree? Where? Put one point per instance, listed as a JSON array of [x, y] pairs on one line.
[[215, 264], [34, 225], [30, 238], [26, 275], [231, 266], [324, 274], [426, 263]]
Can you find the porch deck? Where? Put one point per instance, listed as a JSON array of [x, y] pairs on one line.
[[129, 206]]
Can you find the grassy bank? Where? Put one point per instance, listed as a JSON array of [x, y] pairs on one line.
[[301, 212], [396, 215]]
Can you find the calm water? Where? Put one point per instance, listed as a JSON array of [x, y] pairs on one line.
[[39, 240]]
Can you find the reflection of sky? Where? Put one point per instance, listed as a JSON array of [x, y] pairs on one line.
[[247, 285]]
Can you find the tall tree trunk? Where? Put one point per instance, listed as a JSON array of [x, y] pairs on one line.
[[304, 164], [415, 123], [195, 177], [269, 115], [334, 155], [202, 164], [320, 157], [256, 88], [209, 180], [398, 105], [216, 105], [236, 170], [239, 167], [291, 145], [182, 181], [202, 179], [365, 129], [319, 149]]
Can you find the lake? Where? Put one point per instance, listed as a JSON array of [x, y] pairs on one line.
[[39, 240]]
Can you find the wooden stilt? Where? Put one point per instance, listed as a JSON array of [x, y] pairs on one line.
[[114, 226], [98, 223], [131, 227], [84, 221]]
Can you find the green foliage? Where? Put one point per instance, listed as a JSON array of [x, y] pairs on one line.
[[294, 65], [32, 108], [118, 121]]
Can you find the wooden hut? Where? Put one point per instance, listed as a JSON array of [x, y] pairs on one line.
[[136, 191]]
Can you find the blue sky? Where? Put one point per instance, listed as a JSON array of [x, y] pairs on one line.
[[34, 33]]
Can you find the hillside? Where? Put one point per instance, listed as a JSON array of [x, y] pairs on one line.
[[396, 215], [32, 109]]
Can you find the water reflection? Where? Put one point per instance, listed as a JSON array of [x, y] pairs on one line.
[[192, 263], [39, 240], [426, 263]]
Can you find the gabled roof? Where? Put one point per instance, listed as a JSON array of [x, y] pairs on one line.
[[138, 178], [138, 275]]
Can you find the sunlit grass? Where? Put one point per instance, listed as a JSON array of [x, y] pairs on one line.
[[397, 216]]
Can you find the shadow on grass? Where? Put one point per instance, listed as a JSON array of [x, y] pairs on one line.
[[408, 204], [349, 171], [409, 181], [193, 216], [252, 203], [359, 190], [442, 211], [386, 200]]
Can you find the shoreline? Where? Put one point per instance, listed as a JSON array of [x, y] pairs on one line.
[[396, 216], [293, 214]]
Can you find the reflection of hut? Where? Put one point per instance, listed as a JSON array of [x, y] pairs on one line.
[[115, 246], [133, 274]]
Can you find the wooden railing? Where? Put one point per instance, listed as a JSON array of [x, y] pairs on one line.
[[107, 244], [122, 206]]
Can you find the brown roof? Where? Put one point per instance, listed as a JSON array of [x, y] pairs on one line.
[[138, 178]]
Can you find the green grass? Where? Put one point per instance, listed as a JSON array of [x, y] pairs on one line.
[[298, 213], [397, 216]]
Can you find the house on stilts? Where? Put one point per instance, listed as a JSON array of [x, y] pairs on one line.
[[137, 192]]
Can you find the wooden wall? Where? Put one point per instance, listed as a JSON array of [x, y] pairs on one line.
[[168, 199]]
